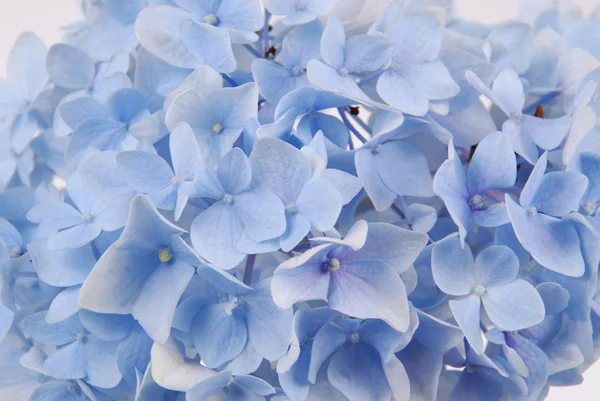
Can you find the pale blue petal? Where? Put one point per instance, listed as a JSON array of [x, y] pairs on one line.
[[546, 133], [493, 165], [52, 334], [208, 45], [269, 326], [366, 167], [320, 203], [234, 172], [215, 234], [367, 382], [514, 306], [346, 184], [70, 67], [533, 182], [552, 242], [158, 30], [370, 290], [301, 278], [466, 311], [145, 172], [154, 307], [184, 152], [26, 65], [415, 179], [399, 93], [452, 267], [64, 305], [328, 339], [559, 193], [496, 265], [278, 166], [261, 213], [365, 53], [333, 43], [68, 362], [219, 335], [62, 268], [555, 297]]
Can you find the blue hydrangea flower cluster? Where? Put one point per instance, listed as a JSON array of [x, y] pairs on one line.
[[299, 200]]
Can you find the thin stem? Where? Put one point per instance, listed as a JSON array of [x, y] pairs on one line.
[[362, 124], [264, 37], [370, 77], [253, 51], [249, 269], [398, 211], [541, 101], [351, 127], [229, 80]]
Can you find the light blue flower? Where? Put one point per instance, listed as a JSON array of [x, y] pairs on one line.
[[341, 58], [217, 116], [77, 225], [310, 201], [469, 197], [490, 279], [130, 276], [82, 355], [526, 132], [362, 361], [150, 174], [358, 276], [414, 78], [287, 72], [239, 210], [536, 219]]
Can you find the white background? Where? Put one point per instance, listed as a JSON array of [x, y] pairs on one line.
[[45, 17]]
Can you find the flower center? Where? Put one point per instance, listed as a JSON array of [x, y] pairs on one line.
[[211, 19], [479, 290], [81, 338], [291, 208], [227, 198], [343, 71], [333, 264], [354, 338], [297, 70], [531, 211], [176, 181], [376, 149], [476, 202], [233, 303], [588, 209], [88, 218], [217, 128], [165, 255]]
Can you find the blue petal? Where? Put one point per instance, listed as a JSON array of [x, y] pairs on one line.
[[154, 308], [64, 305], [219, 334], [215, 234], [327, 341], [493, 165], [61, 268], [415, 179], [367, 382], [270, 339], [466, 311], [209, 45], [262, 214], [560, 192], [552, 242], [52, 334], [496, 265], [70, 67], [234, 172], [368, 289], [514, 306], [301, 278], [366, 53], [452, 267]]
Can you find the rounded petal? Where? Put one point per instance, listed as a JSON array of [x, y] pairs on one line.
[[452, 267], [514, 306]]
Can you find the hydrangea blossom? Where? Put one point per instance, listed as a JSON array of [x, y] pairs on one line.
[[299, 200]]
